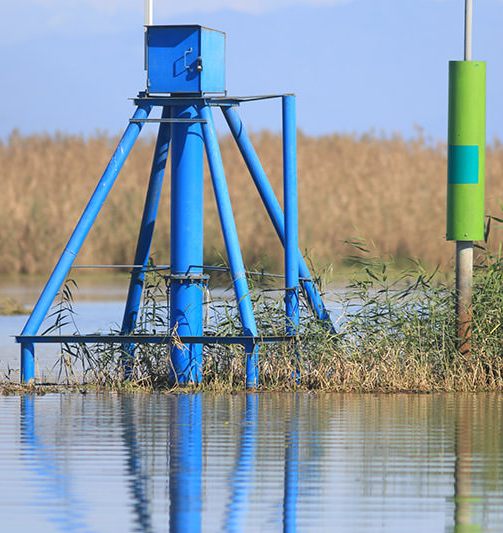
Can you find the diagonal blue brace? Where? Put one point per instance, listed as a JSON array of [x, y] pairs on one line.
[[146, 233], [231, 244], [77, 239], [273, 208]]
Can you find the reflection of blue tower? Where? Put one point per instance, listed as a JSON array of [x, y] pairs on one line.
[[185, 79], [185, 464], [291, 483], [64, 511], [137, 478], [241, 484]]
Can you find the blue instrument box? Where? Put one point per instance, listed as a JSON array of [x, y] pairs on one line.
[[185, 60]]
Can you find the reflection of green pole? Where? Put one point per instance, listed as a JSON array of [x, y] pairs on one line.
[[463, 466], [466, 171]]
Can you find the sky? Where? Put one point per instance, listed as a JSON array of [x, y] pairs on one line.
[[355, 65]]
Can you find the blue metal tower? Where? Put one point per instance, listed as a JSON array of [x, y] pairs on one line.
[[186, 79]]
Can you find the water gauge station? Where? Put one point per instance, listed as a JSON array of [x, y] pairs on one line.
[[185, 67]]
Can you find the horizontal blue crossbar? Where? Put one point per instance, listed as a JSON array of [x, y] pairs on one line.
[[149, 339], [213, 100]]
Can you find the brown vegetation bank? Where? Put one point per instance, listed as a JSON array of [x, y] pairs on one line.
[[388, 191]]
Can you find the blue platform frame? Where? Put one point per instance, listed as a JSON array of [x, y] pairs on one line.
[[187, 125]]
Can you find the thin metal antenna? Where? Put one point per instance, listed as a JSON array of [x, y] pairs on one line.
[[149, 12], [468, 29]]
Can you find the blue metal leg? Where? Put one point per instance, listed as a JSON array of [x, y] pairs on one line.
[[145, 236], [291, 215], [78, 237], [290, 202], [27, 362], [187, 244], [186, 464], [231, 244], [291, 219], [273, 208]]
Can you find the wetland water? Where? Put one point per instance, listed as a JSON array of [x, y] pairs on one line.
[[256, 462], [265, 462]]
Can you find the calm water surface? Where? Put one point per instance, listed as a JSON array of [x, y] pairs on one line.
[[263, 462]]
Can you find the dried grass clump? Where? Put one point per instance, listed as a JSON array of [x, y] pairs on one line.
[[394, 335]]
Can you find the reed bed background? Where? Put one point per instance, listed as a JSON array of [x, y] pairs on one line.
[[388, 191]]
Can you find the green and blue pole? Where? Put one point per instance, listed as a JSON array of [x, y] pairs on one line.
[[232, 246], [273, 209], [77, 239], [145, 235], [466, 174], [186, 294]]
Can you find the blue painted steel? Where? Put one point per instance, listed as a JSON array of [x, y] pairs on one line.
[[232, 246], [213, 61], [291, 480], [273, 208], [185, 59], [151, 339], [463, 165], [27, 362], [245, 467], [146, 232], [186, 306], [291, 215], [185, 463], [77, 239]]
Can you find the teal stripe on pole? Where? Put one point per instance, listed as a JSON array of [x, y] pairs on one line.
[[463, 166]]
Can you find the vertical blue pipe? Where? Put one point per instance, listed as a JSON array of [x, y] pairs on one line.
[[291, 215], [185, 464], [27, 362], [273, 208], [245, 466], [146, 233], [77, 239], [231, 244], [186, 307]]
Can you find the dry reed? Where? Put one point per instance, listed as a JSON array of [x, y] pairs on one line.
[[387, 190]]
